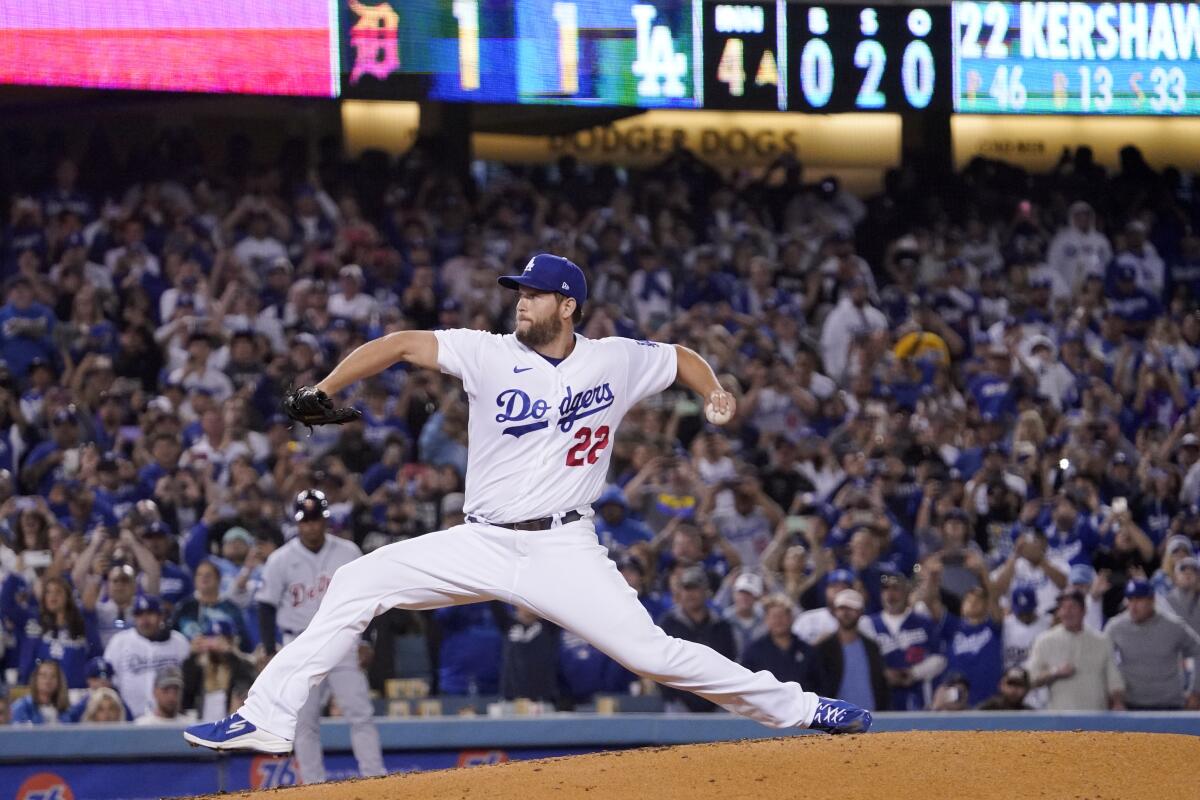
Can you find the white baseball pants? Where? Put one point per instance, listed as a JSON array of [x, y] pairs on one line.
[[347, 683], [561, 574]]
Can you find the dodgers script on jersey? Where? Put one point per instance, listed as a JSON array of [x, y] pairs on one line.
[[295, 579], [541, 435]]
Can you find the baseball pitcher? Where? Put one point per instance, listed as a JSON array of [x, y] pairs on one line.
[[545, 404]]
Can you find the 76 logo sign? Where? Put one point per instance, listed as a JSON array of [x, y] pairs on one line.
[[588, 445]]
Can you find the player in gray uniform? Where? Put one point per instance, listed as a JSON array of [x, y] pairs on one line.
[[295, 579], [545, 405]]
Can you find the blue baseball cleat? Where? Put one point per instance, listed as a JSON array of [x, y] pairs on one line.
[[235, 733], [838, 716]]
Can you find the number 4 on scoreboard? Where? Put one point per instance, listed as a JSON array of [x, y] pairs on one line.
[[731, 69]]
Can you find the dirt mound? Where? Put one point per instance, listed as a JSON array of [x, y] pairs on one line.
[[897, 766]]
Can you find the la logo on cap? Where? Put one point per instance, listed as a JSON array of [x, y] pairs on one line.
[[529, 266]]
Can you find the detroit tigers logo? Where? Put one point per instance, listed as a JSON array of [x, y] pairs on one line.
[[516, 406], [299, 592]]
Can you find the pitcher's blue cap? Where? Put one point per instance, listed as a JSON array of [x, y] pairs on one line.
[[550, 273]]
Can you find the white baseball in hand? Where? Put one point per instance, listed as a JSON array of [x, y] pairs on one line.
[[720, 408]]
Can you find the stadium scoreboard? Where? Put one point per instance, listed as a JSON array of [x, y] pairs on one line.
[[825, 58], [1077, 58], [761, 55]]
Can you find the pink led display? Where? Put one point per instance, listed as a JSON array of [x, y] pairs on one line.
[[242, 46]]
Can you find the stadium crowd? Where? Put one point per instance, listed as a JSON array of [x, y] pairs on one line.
[[965, 470]]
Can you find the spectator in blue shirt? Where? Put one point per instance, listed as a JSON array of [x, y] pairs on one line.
[[44, 465], [174, 582], [26, 328], [994, 389], [973, 641], [851, 666], [470, 654], [615, 528], [1136, 306], [46, 703], [633, 570], [99, 680], [779, 651], [910, 646], [1070, 535], [62, 633], [193, 613]]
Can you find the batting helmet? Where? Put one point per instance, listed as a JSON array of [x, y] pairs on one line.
[[311, 504]]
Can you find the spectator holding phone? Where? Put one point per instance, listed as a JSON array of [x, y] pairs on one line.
[[749, 524], [973, 639], [1030, 563]]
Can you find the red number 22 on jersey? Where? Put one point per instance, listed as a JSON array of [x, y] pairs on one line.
[[588, 445]]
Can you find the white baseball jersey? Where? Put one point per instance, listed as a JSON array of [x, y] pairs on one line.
[[136, 660], [294, 579], [541, 434]]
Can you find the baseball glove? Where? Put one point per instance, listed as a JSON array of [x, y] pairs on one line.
[[310, 406]]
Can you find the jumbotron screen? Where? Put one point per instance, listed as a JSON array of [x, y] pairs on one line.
[[248, 47], [759, 55], [1077, 58]]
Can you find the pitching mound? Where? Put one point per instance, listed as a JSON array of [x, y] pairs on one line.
[[897, 766]]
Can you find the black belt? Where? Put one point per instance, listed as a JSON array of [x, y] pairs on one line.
[[541, 524]]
